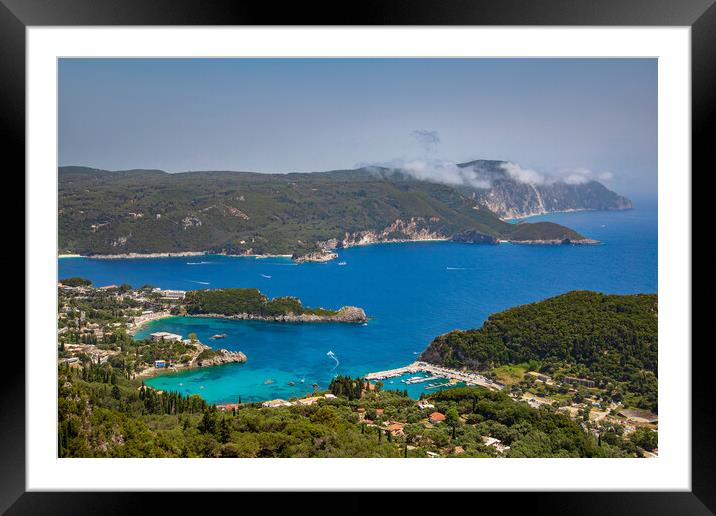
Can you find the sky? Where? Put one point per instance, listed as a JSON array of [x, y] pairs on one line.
[[548, 116]]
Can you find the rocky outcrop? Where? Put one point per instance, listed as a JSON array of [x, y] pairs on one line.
[[474, 237], [220, 356], [323, 255], [415, 229]]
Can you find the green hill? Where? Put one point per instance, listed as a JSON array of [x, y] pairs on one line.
[[150, 211], [235, 301], [611, 339]]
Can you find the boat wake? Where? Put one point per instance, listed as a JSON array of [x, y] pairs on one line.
[[200, 282], [198, 263], [266, 276], [333, 356]]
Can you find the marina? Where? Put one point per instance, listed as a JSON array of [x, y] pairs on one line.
[[437, 373]]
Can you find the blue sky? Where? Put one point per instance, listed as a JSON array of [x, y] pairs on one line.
[[285, 115]]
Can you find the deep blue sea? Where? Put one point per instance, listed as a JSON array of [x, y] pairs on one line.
[[412, 292]]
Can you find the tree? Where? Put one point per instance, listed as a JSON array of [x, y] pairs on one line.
[[224, 431], [452, 418], [645, 438], [207, 425]]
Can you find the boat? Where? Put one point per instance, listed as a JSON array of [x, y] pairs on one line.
[[218, 336], [269, 381], [266, 276], [342, 263], [291, 383]]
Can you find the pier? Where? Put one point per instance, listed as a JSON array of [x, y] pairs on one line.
[[437, 372]]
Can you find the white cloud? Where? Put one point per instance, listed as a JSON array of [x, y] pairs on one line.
[[523, 175], [449, 173], [436, 171], [572, 176]]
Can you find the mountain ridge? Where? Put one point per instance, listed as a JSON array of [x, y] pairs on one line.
[[151, 211]]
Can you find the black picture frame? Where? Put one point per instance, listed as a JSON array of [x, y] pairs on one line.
[[700, 15]]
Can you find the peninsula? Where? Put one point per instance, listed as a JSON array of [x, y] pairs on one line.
[[250, 303], [150, 213]]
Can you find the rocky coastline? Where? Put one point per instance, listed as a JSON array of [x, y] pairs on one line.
[[347, 314], [144, 255], [219, 357], [565, 241]]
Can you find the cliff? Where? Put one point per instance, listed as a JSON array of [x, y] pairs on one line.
[[511, 198]]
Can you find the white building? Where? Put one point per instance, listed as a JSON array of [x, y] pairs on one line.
[[165, 336], [170, 294], [424, 404], [276, 403]]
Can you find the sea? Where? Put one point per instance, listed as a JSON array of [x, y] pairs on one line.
[[412, 293]]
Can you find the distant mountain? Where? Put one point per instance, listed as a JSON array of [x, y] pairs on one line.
[[150, 211], [511, 198]]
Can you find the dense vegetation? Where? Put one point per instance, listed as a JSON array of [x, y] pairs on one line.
[[541, 231], [101, 414], [76, 282], [611, 339], [149, 211], [233, 301]]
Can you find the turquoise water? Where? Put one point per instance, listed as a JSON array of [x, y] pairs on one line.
[[412, 292]]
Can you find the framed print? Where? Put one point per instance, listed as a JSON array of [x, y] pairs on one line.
[[435, 250]]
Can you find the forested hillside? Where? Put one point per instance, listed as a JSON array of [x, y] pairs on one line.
[[150, 211], [611, 339], [101, 414]]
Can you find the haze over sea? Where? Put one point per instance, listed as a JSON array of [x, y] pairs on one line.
[[412, 292]]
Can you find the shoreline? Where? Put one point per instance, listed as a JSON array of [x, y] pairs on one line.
[[571, 210], [354, 314], [359, 317], [302, 259], [138, 325], [222, 357], [130, 256]]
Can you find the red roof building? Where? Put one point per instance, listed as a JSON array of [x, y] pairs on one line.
[[436, 417]]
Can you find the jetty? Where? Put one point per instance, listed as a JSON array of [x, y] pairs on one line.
[[437, 372]]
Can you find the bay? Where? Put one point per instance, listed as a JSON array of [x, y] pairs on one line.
[[411, 291]]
